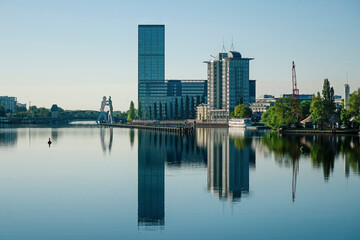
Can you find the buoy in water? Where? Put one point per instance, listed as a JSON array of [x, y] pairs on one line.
[[49, 142]]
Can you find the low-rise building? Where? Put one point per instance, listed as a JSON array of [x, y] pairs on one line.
[[262, 104], [202, 112]]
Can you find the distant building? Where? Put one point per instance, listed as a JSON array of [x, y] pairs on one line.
[[54, 111], [262, 104], [152, 89], [228, 83], [337, 100], [302, 97], [21, 105], [8, 103], [346, 96]]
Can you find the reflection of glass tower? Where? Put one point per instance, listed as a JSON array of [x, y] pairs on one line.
[[228, 166], [151, 178]]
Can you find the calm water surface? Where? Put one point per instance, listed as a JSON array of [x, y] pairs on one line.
[[104, 183]]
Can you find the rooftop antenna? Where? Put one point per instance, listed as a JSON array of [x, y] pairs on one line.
[[232, 44], [223, 47]]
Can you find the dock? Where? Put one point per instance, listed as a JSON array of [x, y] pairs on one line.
[[165, 126]]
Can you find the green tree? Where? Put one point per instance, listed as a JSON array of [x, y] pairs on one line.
[[187, 107], [242, 111], [176, 108], [318, 111], [150, 115], [166, 112], [197, 100], [192, 108], [2, 111], [171, 111], [182, 114], [43, 112], [345, 116], [281, 115], [305, 108], [354, 105], [131, 115], [155, 111], [322, 108], [328, 91], [139, 110], [160, 111]]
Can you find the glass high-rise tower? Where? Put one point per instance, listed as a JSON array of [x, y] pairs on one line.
[[152, 89]]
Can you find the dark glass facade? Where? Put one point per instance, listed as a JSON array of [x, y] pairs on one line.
[[252, 91], [152, 89], [195, 90]]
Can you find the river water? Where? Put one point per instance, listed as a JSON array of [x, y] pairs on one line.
[[113, 183]]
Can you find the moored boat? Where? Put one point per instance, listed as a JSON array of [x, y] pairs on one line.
[[240, 122]]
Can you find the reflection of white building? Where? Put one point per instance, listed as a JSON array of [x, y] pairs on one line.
[[228, 166]]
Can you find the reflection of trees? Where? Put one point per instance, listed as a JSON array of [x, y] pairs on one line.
[[132, 136], [350, 150], [322, 152], [286, 149]]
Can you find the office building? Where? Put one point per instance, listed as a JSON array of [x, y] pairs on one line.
[[152, 89], [228, 84], [8, 103], [180, 90], [346, 96]]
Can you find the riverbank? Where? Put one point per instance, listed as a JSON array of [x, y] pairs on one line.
[[319, 131]]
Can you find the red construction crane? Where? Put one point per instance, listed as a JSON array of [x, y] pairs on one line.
[[294, 83]]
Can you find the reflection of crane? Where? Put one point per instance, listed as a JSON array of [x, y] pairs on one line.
[[294, 83], [294, 177]]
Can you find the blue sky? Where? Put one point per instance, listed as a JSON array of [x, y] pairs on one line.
[[74, 52]]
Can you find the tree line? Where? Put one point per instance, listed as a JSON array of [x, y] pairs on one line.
[[42, 112], [288, 112]]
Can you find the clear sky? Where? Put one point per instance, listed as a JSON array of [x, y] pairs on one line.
[[74, 52]]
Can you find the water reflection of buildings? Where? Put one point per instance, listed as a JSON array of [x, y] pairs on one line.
[[151, 178], [8, 137], [229, 155]]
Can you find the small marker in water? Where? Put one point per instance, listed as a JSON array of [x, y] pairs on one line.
[[49, 142]]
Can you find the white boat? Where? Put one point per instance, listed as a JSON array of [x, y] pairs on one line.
[[240, 122]]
